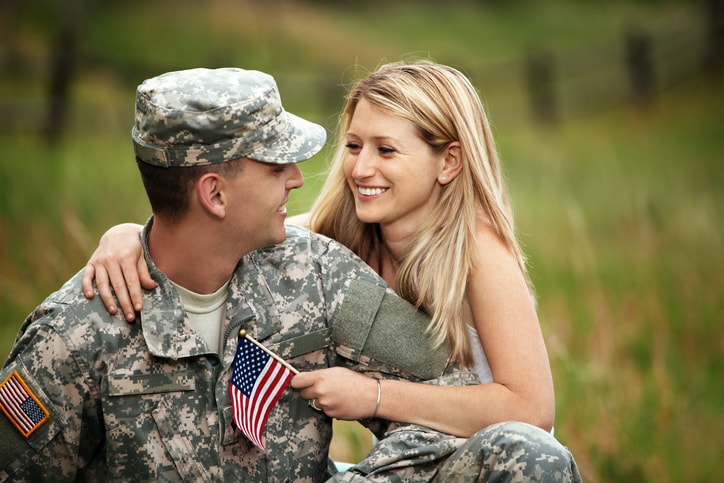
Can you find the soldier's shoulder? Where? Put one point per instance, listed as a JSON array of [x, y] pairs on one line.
[[296, 234], [70, 314], [299, 243]]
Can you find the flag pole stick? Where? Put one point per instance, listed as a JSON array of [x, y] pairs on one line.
[[242, 333]]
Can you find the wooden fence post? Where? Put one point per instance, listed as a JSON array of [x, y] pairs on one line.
[[61, 74], [714, 49], [62, 64], [640, 67], [539, 77]]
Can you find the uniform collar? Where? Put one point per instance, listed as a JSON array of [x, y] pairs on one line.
[[163, 319]]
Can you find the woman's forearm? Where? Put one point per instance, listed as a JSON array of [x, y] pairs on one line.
[[462, 411]]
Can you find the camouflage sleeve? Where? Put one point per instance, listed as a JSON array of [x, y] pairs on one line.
[[44, 397], [375, 332], [372, 328], [383, 331]]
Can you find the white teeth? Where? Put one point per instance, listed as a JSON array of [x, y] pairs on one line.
[[283, 209], [370, 191]]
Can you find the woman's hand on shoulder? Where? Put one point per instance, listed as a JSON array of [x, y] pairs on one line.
[[118, 263]]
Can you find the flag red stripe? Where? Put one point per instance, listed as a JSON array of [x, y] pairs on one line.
[[265, 393], [262, 392], [269, 393]]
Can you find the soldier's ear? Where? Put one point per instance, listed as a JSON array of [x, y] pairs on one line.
[[210, 193]]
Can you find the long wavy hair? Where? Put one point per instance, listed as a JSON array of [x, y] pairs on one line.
[[444, 106]]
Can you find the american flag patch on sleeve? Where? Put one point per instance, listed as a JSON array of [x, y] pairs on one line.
[[20, 405]]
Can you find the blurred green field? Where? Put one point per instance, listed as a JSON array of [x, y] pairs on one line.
[[619, 207]]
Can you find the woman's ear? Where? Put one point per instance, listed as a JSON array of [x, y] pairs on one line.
[[452, 164], [211, 195]]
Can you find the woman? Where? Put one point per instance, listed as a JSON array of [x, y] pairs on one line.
[[416, 190]]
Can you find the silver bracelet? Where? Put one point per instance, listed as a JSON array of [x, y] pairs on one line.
[[379, 397]]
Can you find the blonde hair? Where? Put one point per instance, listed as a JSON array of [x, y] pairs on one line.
[[444, 106]]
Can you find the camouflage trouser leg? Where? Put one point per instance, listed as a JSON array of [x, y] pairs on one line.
[[510, 452], [504, 452]]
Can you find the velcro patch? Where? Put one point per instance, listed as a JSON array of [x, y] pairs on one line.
[[21, 406]]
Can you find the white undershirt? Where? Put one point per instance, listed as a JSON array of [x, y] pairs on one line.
[[206, 313]]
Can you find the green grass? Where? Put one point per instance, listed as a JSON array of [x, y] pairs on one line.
[[619, 210]]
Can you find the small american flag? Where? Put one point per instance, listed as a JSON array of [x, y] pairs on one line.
[[258, 380], [20, 405]]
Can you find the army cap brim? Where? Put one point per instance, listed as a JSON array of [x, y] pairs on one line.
[[205, 116]]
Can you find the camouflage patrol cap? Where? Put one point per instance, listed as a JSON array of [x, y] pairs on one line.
[[204, 116]]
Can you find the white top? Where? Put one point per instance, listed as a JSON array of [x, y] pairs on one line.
[[481, 368]]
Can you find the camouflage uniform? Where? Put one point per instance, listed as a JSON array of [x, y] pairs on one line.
[[150, 401]]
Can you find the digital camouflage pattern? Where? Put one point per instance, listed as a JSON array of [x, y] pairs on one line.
[[149, 401], [505, 452], [205, 116]]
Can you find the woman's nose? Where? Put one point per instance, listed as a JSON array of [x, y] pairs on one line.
[[364, 165]]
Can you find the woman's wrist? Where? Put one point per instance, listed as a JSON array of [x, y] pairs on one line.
[[379, 398]]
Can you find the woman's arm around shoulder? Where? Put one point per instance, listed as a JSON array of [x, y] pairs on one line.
[[504, 316]]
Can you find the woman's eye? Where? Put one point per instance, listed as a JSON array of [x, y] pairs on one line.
[[357, 147]]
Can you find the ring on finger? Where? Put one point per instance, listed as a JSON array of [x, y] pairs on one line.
[[313, 404]]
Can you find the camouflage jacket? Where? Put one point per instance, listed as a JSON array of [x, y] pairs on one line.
[[150, 401]]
